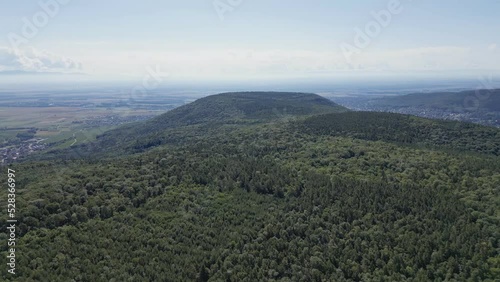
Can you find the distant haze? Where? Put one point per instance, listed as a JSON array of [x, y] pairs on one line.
[[250, 39]]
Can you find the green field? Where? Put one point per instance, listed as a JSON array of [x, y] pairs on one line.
[[61, 126]]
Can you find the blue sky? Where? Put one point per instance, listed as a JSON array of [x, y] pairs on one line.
[[251, 38]]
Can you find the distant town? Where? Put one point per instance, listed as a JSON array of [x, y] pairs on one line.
[[13, 152], [361, 103], [18, 148]]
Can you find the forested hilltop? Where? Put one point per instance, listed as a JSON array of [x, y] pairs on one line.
[[204, 117], [266, 187]]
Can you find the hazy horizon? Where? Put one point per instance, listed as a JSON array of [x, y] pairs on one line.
[[231, 41]]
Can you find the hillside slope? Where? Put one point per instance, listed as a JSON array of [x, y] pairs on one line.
[[406, 129], [247, 106], [212, 112]]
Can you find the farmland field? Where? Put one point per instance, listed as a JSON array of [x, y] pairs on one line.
[[60, 121]]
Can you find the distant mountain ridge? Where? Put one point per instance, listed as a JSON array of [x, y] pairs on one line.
[[220, 109], [312, 114], [251, 106], [481, 99]]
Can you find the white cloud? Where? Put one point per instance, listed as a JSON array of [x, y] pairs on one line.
[[492, 47], [34, 60], [242, 62]]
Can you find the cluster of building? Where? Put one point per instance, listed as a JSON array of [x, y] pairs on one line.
[[479, 117], [490, 119], [10, 153]]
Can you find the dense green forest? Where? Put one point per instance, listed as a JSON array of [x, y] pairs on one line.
[[211, 112], [281, 187], [407, 130]]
